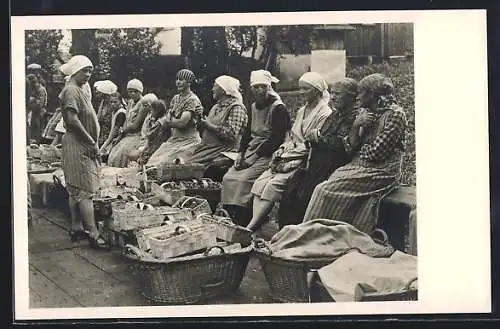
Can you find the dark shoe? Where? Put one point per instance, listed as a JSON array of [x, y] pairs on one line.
[[99, 243], [78, 235]]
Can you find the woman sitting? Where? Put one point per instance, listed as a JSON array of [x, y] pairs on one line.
[[182, 118], [290, 156], [130, 134], [353, 192], [223, 127], [327, 153], [118, 117], [268, 124], [153, 133], [104, 112]]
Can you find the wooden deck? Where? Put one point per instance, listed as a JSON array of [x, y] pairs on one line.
[[66, 274]]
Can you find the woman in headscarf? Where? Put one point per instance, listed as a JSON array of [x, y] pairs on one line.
[[328, 152], [37, 107], [182, 118], [292, 154], [104, 112], [269, 122], [118, 117], [353, 192], [130, 134], [80, 149], [223, 127]]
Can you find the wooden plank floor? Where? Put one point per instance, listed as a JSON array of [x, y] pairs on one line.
[[66, 274]]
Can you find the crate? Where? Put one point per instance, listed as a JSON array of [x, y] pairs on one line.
[[168, 192], [178, 170], [226, 229], [182, 240], [143, 235], [136, 215]]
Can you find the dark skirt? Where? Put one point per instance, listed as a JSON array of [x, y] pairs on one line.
[[294, 201]]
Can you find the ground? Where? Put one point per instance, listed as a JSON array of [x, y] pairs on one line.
[[66, 274]]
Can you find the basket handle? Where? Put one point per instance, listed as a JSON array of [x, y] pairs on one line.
[[182, 226], [144, 206], [34, 146], [59, 146], [146, 170], [260, 243], [200, 216], [380, 236], [55, 164], [222, 212], [210, 249], [178, 161], [132, 251], [408, 285], [187, 199], [165, 184]]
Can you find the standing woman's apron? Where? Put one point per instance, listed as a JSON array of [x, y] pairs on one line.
[[211, 146], [237, 184]]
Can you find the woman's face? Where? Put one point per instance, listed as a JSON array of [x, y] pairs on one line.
[[260, 91], [217, 92], [134, 94], [181, 84], [114, 103], [83, 76], [308, 92], [342, 98]]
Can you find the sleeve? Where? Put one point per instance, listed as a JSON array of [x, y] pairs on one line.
[[332, 135], [387, 140], [120, 120], [236, 122], [136, 124], [247, 135], [69, 100], [280, 124]]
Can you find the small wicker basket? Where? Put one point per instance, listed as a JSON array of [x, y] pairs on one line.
[[168, 192], [129, 216], [226, 229], [197, 205], [191, 279], [107, 195], [178, 170], [287, 279], [182, 240], [206, 188]]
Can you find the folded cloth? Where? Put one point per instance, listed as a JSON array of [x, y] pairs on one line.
[[383, 275], [323, 240]]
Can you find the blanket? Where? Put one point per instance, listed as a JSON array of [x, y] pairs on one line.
[[383, 275], [323, 240]]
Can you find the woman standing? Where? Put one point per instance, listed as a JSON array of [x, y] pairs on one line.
[[269, 121], [328, 153], [131, 132], [292, 154], [353, 192], [37, 107], [223, 126], [80, 150], [182, 118]]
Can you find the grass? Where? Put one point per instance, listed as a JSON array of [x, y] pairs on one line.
[[402, 76]]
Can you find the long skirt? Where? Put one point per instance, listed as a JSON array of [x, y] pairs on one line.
[[172, 148], [119, 154], [352, 194], [237, 184], [207, 154], [271, 186]]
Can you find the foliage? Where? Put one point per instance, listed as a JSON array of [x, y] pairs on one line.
[[138, 43], [41, 47]]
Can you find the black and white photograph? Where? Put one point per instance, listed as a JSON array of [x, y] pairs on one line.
[[242, 161]]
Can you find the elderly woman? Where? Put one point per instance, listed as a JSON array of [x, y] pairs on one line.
[[292, 154], [80, 149], [223, 127], [104, 112], [328, 152], [182, 118], [353, 192], [130, 135], [269, 122]]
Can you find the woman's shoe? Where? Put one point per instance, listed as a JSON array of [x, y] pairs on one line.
[[98, 243], [77, 235]]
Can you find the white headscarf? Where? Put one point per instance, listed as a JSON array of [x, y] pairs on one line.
[[317, 81], [34, 66], [230, 85], [262, 77], [148, 98], [75, 64], [135, 84], [106, 87]]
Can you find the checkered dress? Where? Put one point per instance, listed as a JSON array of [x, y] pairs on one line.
[[353, 192]]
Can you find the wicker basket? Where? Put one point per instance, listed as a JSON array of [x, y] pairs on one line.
[[129, 216], [178, 170], [36, 166], [191, 279], [363, 294], [168, 192], [105, 196], [44, 152], [206, 189], [114, 238], [197, 205], [181, 240], [226, 229], [287, 279]]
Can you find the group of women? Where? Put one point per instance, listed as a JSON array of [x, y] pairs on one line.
[[338, 159]]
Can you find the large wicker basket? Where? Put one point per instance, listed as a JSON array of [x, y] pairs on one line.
[[205, 188], [363, 294], [178, 170], [287, 279], [226, 229], [190, 279]]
